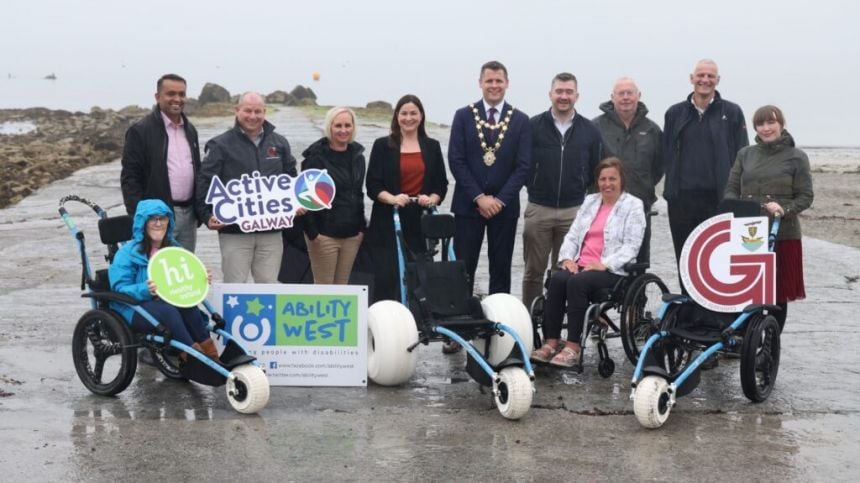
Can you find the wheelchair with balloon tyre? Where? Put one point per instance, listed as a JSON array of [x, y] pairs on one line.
[[436, 304]]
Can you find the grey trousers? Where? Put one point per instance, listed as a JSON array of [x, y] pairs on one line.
[[543, 233], [255, 254], [186, 227]]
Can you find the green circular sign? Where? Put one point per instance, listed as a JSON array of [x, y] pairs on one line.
[[179, 276]]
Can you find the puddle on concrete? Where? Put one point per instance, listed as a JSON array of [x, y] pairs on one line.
[[14, 128]]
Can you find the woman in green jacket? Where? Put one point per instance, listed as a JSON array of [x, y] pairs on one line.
[[776, 174]]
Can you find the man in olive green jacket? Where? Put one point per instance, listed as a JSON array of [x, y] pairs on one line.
[[630, 136]]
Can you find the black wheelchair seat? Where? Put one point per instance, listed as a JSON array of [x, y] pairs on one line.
[[438, 227], [440, 291]]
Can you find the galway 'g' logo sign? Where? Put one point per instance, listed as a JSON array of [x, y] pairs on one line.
[[725, 264], [260, 203]]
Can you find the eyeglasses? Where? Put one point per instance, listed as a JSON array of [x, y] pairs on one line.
[[157, 220]]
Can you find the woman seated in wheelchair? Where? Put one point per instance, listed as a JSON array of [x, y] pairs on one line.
[[152, 230], [606, 234]]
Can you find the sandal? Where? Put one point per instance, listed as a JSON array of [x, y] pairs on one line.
[[567, 357], [544, 354]]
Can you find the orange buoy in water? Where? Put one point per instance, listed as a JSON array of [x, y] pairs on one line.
[[316, 76]]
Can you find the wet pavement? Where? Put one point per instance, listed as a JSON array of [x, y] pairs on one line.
[[439, 426]]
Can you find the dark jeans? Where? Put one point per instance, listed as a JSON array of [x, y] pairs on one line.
[[186, 325], [575, 290], [501, 232]]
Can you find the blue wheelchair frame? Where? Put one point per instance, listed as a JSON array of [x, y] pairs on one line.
[[96, 296], [692, 366]]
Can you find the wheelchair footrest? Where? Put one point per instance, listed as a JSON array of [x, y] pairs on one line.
[[197, 371], [238, 361]]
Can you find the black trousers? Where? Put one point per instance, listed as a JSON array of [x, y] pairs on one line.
[[501, 233], [688, 211], [575, 290]]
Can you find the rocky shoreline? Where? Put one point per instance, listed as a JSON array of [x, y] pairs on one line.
[[61, 143]]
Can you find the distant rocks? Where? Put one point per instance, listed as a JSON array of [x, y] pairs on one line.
[[302, 93], [213, 93], [280, 97], [380, 106]]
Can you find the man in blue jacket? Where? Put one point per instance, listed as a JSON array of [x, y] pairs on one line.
[[565, 149], [489, 154], [701, 138]]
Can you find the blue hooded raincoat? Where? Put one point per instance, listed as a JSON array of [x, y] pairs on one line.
[[128, 271]]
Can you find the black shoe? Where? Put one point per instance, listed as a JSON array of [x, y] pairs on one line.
[[710, 363], [145, 357]]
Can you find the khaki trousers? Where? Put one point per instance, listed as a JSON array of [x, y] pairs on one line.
[[332, 258], [543, 233]]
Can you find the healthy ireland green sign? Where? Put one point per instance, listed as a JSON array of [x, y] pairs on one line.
[[179, 276]]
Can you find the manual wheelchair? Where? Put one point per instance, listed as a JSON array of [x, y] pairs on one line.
[[436, 304], [667, 368], [634, 299], [104, 348]]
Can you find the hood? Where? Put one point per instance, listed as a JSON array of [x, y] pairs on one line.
[[785, 140], [147, 208]]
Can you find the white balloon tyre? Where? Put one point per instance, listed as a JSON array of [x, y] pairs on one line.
[[514, 398], [506, 309], [390, 331], [249, 393], [650, 411]]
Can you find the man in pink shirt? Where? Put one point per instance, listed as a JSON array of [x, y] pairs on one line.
[[161, 158]]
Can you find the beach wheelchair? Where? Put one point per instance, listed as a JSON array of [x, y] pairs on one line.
[[633, 301], [437, 304], [687, 334], [104, 348]]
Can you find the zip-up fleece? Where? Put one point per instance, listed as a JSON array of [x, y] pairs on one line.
[[562, 166], [232, 154]]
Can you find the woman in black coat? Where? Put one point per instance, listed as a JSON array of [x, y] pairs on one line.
[[404, 164]]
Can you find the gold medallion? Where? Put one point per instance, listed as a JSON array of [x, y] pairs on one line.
[[480, 124], [489, 158]]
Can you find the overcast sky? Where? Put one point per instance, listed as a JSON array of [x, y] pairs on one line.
[[801, 56]]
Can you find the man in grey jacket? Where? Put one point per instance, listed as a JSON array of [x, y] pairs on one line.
[[629, 135], [251, 145]]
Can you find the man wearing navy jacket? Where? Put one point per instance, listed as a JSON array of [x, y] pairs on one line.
[[489, 154]]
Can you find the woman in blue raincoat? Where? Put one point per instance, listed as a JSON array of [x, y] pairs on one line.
[[152, 230]]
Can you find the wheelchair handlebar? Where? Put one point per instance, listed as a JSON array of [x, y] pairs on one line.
[[99, 211]]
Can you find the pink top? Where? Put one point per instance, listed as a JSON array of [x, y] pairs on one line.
[[592, 243], [180, 170]]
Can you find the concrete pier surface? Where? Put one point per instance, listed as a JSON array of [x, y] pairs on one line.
[[438, 426]]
